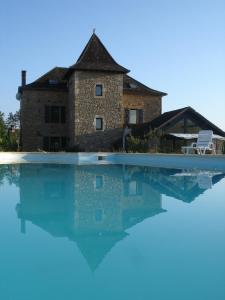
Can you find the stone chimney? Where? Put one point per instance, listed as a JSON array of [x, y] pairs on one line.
[[23, 77]]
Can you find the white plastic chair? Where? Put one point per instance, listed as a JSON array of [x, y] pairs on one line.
[[204, 143]]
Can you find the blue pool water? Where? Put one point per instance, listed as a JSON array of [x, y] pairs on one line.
[[111, 232]]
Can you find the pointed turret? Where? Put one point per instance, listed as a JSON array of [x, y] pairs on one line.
[[95, 57]]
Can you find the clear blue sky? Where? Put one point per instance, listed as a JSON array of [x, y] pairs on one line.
[[176, 46]]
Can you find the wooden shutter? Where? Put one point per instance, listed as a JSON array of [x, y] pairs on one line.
[[46, 143], [63, 114], [47, 114], [140, 116], [126, 116]]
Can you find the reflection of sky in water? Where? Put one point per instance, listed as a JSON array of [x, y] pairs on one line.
[[111, 232]]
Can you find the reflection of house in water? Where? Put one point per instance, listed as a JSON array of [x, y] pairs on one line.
[[185, 185], [91, 205], [95, 205]]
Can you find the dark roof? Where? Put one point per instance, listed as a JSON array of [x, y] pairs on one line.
[[166, 117], [100, 246], [185, 188], [95, 57], [131, 85], [169, 116], [54, 79]]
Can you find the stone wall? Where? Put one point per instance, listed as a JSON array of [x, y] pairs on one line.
[[33, 124], [87, 106], [151, 105], [82, 106]]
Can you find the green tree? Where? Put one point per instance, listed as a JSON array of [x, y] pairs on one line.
[[9, 132], [2, 131], [13, 120]]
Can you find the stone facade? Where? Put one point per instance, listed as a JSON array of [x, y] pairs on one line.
[[151, 105], [33, 125], [74, 90], [87, 106]]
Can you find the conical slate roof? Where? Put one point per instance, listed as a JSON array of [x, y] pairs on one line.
[[94, 248], [95, 57]]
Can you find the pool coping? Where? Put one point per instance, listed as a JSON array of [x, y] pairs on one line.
[[179, 161]]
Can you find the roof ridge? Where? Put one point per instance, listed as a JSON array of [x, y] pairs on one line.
[[53, 69], [177, 112], [145, 86]]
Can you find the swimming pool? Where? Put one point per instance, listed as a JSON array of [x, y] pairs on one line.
[[111, 232]]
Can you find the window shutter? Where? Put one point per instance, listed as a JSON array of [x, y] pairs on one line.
[[63, 142], [140, 116], [55, 114], [126, 116], [63, 114], [46, 143], [47, 114]]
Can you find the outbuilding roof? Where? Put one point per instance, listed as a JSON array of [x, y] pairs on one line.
[[167, 117], [164, 120]]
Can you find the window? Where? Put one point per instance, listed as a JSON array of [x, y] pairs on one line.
[[132, 86], [53, 81], [98, 182], [133, 188], [54, 143], [134, 116], [99, 123], [98, 90], [55, 114], [98, 215], [54, 190]]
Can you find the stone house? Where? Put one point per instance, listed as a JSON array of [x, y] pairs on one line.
[[85, 106]]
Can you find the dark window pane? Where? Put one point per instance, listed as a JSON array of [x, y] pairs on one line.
[[47, 114], [99, 124], [54, 143], [46, 143], [98, 90], [55, 114], [63, 114], [63, 142]]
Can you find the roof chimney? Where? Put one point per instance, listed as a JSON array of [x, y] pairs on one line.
[[23, 77]]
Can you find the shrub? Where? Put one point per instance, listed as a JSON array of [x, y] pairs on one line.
[[75, 148], [135, 144]]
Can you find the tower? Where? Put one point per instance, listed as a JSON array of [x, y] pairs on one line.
[[95, 85]]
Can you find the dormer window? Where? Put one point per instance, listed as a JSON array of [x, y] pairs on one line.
[[132, 86], [98, 90], [53, 81]]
